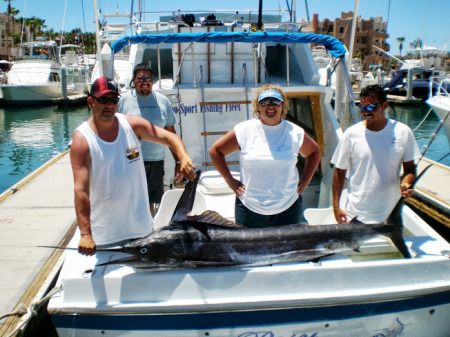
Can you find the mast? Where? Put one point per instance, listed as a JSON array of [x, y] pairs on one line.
[[97, 40]]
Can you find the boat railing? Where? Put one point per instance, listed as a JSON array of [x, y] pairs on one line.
[[442, 83]]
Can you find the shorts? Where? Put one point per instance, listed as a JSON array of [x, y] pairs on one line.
[[154, 170], [248, 218]]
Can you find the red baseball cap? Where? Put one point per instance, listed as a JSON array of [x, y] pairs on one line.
[[104, 85]]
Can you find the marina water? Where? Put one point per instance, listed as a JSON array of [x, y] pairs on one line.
[[30, 136]]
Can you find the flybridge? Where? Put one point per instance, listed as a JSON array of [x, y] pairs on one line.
[[333, 45]]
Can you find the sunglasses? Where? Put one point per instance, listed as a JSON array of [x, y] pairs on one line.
[[106, 100], [369, 107], [267, 101], [144, 78]]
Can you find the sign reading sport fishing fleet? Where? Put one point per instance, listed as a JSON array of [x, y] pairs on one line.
[[197, 108]]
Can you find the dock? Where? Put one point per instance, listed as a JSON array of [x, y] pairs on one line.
[[71, 100], [403, 99], [37, 211]]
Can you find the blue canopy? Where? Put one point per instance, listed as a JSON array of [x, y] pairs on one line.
[[333, 45]]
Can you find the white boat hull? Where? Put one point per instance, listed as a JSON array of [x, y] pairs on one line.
[[307, 322], [441, 105], [372, 293], [32, 94]]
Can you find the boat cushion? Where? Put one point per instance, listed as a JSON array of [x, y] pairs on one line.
[[212, 182]]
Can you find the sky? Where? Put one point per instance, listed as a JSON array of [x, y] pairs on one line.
[[411, 19]]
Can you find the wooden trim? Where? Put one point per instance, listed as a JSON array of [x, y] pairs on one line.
[[214, 133]]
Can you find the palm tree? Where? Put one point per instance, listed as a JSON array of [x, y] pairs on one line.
[[14, 13], [361, 55], [400, 46], [35, 24], [9, 17], [417, 43]]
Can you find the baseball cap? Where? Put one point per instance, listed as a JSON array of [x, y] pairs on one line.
[[270, 93], [102, 86]]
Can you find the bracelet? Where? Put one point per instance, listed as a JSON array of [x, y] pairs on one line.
[[177, 162]]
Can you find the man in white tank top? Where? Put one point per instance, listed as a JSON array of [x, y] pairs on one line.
[[111, 200]]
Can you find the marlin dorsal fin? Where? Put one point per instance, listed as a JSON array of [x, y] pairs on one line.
[[186, 202]]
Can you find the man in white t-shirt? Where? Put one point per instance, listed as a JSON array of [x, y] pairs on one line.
[[373, 152], [156, 108]]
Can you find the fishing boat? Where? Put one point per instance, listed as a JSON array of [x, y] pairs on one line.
[[211, 77], [36, 76]]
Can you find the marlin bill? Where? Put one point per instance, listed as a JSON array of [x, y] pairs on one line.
[[209, 240]]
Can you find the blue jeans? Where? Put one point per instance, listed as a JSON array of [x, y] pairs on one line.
[[247, 218]]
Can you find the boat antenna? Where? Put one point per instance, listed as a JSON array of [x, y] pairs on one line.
[[260, 15], [62, 30], [307, 10], [388, 14]]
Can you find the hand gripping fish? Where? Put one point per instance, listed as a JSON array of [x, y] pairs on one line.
[[209, 240]]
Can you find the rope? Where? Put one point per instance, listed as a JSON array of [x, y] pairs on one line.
[[423, 120], [33, 309], [20, 311]]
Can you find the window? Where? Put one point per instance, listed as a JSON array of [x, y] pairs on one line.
[[341, 30]]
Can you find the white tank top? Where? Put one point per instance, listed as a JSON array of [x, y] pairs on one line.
[[118, 187]]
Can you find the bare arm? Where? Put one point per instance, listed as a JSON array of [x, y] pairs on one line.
[[146, 131], [177, 174], [81, 165], [221, 148], [311, 151], [409, 176], [337, 187]]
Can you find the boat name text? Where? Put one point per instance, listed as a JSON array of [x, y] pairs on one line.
[[195, 108]]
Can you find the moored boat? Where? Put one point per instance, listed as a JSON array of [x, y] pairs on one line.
[[211, 77], [36, 76], [440, 101]]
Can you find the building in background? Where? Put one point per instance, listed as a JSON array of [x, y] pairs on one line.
[[370, 32]]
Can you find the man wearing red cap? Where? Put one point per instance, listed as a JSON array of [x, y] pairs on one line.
[[111, 198]]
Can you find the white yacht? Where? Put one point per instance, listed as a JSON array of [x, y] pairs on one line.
[[36, 78], [211, 73]]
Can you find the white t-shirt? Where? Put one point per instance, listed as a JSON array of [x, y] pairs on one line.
[[118, 188], [268, 161], [373, 162], [156, 108]]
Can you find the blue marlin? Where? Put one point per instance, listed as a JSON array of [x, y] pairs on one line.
[[209, 240]]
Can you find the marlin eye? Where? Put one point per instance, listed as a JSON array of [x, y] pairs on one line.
[[143, 250]]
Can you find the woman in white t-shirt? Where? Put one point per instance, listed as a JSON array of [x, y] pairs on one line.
[[269, 191]]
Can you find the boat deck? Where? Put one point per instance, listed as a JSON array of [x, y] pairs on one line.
[[37, 211]]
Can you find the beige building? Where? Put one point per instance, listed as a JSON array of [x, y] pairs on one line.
[[6, 42], [371, 32]]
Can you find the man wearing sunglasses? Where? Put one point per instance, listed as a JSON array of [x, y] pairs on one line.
[[373, 152], [109, 176], [156, 108]]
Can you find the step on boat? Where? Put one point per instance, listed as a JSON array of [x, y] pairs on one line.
[[211, 74]]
